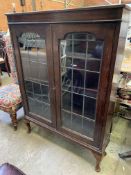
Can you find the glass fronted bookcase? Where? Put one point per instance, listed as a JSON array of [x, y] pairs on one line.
[[65, 62]]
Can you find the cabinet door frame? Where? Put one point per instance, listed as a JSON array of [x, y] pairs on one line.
[[42, 30], [103, 31]]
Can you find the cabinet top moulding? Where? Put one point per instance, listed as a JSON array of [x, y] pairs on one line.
[[111, 13]]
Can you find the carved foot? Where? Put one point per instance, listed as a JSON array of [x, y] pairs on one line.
[[98, 158], [14, 118], [97, 168], [28, 126]]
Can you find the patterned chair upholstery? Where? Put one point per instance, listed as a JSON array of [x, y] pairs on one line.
[[10, 97]]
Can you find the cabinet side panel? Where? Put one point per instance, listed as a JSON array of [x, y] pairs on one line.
[[118, 52]]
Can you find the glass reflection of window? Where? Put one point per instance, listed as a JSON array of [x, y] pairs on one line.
[[34, 63], [81, 56]]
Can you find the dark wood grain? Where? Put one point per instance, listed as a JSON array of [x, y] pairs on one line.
[[83, 14], [105, 23]]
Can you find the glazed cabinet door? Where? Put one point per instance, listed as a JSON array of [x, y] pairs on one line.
[[82, 61], [33, 53]]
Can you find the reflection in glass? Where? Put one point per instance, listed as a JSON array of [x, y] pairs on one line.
[[95, 49], [66, 118], [78, 90], [43, 73], [93, 65], [81, 57], [91, 80], [39, 108], [78, 78], [68, 48], [66, 100], [79, 46], [45, 93], [90, 93], [29, 86], [88, 127], [89, 109], [34, 61], [66, 79], [79, 36], [78, 63], [77, 104], [68, 62], [37, 91], [76, 123]]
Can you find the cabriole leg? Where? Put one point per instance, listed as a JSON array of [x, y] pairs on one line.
[[98, 158], [13, 118]]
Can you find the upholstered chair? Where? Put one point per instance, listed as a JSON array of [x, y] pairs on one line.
[[10, 97]]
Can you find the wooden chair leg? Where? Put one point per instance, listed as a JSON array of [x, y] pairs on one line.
[[14, 118], [0, 71], [7, 68]]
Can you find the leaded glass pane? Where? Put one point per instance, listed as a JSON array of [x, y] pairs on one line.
[[81, 57], [34, 63]]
